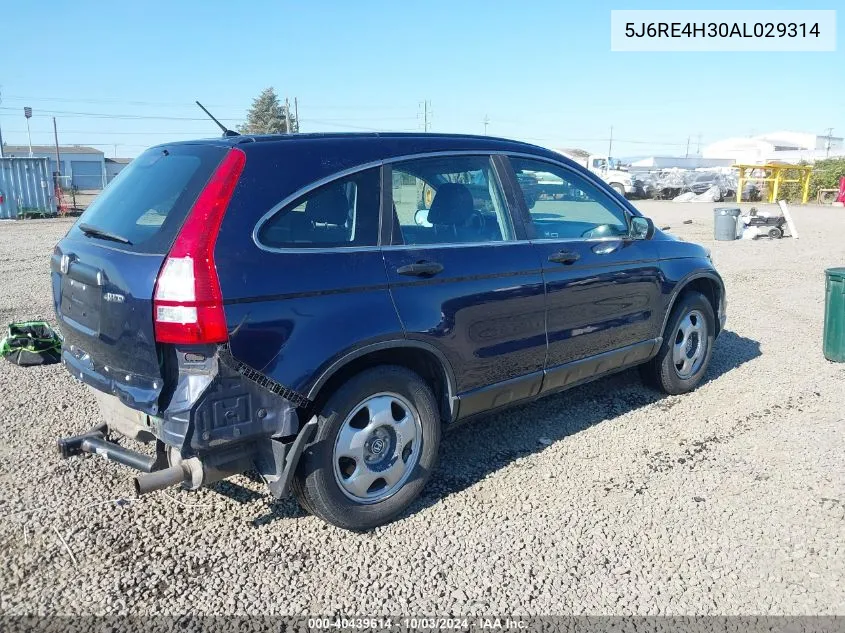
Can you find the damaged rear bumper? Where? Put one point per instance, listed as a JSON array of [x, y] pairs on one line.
[[214, 417], [167, 469]]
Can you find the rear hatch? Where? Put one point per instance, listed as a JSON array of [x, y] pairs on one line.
[[104, 271]]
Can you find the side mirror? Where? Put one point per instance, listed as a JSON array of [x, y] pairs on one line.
[[641, 228]]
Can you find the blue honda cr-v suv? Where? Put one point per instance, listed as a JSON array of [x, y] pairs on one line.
[[319, 308]]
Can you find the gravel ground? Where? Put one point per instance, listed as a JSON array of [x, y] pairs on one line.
[[607, 499]]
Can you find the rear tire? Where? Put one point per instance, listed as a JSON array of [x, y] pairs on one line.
[[687, 345], [775, 233], [375, 448]]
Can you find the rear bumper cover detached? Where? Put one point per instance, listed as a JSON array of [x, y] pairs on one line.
[[213, 418], [133, 390]]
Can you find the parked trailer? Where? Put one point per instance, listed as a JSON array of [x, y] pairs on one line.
[[26, 188]]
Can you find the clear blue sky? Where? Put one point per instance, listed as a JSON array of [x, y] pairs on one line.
[[541, 71]]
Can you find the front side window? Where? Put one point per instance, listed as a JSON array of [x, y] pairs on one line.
[[563, 205], [448, 200], [342, 213]]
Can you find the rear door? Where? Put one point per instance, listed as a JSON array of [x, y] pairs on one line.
[[464, 278], [104, 271], [603, 289]]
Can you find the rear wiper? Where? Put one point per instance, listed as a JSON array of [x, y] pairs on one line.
[[94, 231]]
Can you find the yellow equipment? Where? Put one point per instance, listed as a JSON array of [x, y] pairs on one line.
[[774, 176]]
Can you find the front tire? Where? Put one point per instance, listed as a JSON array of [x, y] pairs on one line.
[[687, 345], [618, 188], [374, 451]]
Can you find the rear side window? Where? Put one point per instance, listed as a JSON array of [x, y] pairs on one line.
[[149, 200], [344, 212]]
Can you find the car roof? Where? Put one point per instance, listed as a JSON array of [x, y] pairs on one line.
[[387, 144]]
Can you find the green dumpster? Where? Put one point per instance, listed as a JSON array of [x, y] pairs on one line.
[[834, 315]]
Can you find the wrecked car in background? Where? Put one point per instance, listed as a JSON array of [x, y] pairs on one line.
[[714, 184]]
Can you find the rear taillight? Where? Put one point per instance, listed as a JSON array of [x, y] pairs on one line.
[[188, 304]]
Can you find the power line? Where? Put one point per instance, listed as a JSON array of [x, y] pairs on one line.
[[148, 117], [113, 101], [561, 139], [101, 132], [191, 104], [103, 115], [334, 123]]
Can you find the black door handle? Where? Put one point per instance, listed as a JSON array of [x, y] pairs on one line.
[[564, 257], [420, 269]]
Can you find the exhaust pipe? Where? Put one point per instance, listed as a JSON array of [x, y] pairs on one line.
[[192, 473], [165, 478]]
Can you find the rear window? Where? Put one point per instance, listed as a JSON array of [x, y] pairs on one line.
[[150, 199]]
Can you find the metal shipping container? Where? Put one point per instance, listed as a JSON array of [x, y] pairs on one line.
[[26, 187]]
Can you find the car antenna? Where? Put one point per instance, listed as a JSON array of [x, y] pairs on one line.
[[226, 131]]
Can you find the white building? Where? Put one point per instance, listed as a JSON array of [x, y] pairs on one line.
[[681, 162], [778, 147]]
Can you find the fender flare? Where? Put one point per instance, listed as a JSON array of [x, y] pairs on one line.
[[359, 352], [683, 283]]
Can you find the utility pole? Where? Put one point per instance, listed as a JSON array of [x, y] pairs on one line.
[[687, 154], [827, 145], [426, 106], [486, 123], [287, 116], [698, 145], [58, 160], [610, 144], [27, 112], [1, 131], [296, 112]]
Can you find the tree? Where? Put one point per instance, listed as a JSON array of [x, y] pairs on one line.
[[826, 175], [267, 116]]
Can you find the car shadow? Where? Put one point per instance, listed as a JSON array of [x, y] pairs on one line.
[[731, 351], [472, 451]]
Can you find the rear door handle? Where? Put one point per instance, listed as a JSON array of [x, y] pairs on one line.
[[564, 257], [420, 269]]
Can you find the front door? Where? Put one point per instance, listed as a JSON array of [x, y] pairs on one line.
[[464, 280], [603, 288]]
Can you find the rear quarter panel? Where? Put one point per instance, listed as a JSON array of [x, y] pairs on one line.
[[291, 314], [302, 312]]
